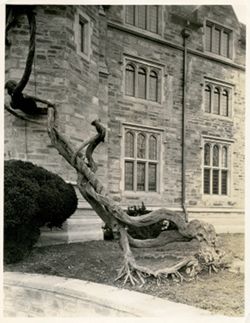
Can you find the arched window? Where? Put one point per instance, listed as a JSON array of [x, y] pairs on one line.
[[208, 101], [152, 147], [129, 144], [215, 155], [224, 103], [130, 15], [141, 146], [130, 80], [207, 155], [153, 86], [224, 157], [216, 101], [142, 77]]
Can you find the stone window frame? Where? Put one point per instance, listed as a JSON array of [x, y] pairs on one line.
[[220, 143], [147, 131], [149, 67], [222, 88], [222, 28], [81, 18]]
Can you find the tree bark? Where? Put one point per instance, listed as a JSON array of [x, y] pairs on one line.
[[113, 215]]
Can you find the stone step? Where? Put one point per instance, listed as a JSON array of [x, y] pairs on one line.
[[84, 227], [52, 238], [78, 236]]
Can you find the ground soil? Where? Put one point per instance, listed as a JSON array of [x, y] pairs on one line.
[[99, 261]]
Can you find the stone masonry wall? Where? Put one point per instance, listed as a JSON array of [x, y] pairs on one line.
[[127, 40], [61, 76]]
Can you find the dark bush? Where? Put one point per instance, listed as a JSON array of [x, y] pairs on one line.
[[33, 197]]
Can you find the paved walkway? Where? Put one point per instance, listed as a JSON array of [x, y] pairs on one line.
[[34, 295]]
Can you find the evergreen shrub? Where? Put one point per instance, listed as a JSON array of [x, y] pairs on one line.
[[33, 197]]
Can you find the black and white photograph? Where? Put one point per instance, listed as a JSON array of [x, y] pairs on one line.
[[124, 160]]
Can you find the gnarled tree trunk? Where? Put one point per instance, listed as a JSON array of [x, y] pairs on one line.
[[205, 256]]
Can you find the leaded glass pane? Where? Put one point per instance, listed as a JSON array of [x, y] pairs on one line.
[[209, 38], [129, 144], [216, 41], [216, 156], [207, 155], [140, 176], [153, 19], [208, 99], [129, 175], [216, 101], [215, 181], [206, 183], [130, 15], [152, 173], [141, 10], [153, 86], [141, 146], [224, 157], [152, 147], [142, 83], [224, 182], [224, 103], [130, 80], [225, 44]]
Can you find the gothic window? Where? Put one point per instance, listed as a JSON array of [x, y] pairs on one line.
[[153, 86], [130, 80], [141, 146], [208, 99], [215, 174], [129, 144], [143, 17], [142, 81], [141, 171], [152, 147], [218, 39], [217, 99], [224, 103]]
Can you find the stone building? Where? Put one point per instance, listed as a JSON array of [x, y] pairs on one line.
[[168, 84]]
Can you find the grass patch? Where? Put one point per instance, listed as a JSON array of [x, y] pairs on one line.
[[98, 261]]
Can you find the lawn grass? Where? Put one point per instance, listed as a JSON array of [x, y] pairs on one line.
[[99, 261]]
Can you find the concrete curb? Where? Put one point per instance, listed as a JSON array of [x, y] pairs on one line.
[[111, 300]]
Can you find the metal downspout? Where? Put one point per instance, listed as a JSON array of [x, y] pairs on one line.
[[185, 34]]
